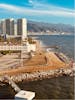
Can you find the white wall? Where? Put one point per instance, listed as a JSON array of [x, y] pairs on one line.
[[24, 29], [31, 47]]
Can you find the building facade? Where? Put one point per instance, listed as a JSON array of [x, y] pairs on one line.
[[14, 28], [9, 26], [22, 28], [3, 27]]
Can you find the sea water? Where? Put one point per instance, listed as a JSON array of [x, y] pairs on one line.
[[54, 88]]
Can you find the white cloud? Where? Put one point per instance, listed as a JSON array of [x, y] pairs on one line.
[[30, 1], [38, 9]]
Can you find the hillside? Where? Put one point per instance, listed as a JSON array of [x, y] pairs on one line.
[[50, 28]]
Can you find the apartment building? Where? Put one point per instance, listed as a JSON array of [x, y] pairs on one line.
[[22, 28]]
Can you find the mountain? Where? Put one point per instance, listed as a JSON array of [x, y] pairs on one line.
[[50, 28]]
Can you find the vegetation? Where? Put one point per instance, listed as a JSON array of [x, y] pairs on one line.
[[11, 40], [31, 41], [14, 40], [1, 39], [8, 51], [4, 52]]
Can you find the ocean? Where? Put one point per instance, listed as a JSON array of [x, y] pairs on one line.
[[54, 88], [64, 42]]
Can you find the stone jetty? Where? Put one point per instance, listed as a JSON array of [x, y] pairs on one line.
[[40, 75]]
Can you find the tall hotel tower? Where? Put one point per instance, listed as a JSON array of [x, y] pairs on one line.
[[7, 26], [22, 28]]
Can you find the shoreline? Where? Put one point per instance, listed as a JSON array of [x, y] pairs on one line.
[[51, 34], [40, 75]]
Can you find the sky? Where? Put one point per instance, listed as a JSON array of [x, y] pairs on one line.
[[49, 11]]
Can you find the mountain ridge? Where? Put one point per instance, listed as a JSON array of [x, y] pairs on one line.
[[34, 26]]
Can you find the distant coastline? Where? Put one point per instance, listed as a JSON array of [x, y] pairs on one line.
[[49, 34], [49, 28]]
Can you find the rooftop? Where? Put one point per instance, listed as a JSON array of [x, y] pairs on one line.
[[26, 95]]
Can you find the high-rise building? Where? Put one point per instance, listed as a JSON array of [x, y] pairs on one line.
[[9, 26], [13, 28], [22, 28], [3, 28]]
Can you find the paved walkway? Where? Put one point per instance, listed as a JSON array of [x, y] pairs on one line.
[[9, 61]]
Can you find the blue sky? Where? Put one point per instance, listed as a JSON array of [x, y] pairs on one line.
[[51, 11]]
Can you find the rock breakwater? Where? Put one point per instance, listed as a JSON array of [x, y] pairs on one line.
[[40, 75]]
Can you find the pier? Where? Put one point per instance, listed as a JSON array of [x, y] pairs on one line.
[[13, 85], [21, 94]]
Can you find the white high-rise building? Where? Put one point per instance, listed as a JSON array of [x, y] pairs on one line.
[[11, 28], [7, 26], [15, 29], [22, 28]]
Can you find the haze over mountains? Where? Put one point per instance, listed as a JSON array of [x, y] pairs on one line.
[[49, 28]]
